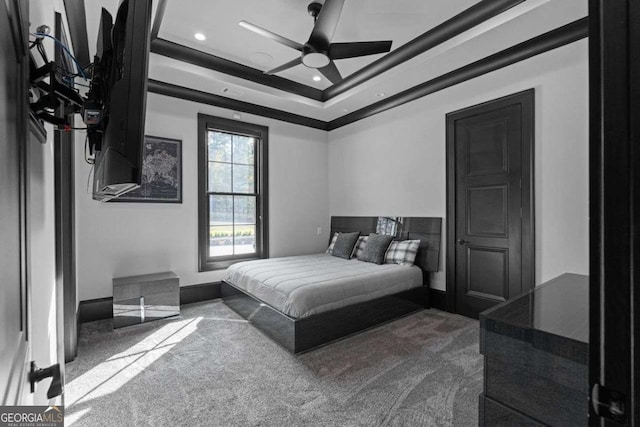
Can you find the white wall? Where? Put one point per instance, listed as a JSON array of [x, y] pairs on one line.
[[389, 164], [394, 163], [123, 239]]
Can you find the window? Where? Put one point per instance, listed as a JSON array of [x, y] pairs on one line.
[[388, 225], [232, 187]]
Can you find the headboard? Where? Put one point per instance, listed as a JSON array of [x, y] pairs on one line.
[[426, 229]]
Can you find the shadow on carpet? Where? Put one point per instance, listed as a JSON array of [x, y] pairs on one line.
[[210, 367]]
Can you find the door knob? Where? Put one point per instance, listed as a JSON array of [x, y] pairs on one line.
[[462, 241]]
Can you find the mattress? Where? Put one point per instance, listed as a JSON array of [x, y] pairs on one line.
[[301, 286]]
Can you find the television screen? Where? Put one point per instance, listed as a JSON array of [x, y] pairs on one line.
[[119, 84]]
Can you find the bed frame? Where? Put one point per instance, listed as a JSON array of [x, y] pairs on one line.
[[299, 335]]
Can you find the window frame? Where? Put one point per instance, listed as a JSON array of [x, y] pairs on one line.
[[261, 133]]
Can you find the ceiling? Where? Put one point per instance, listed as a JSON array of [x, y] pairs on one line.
[[360, 20], [400, 21]]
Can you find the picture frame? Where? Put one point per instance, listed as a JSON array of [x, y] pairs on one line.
[[161, 172]]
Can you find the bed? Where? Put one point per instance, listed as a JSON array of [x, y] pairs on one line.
[[303, 302]]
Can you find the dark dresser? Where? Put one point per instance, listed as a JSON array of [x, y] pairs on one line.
[[535, 351]]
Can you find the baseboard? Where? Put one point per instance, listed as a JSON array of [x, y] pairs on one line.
[[102, 308], [71, 353], [95, 309], [438, 299], [197, 293]]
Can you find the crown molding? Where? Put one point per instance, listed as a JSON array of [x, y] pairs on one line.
[[548, 41], [465, 20], [554, 39], [194, 95], [197, 57]]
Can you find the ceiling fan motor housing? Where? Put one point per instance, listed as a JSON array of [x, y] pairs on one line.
[[314, 58]]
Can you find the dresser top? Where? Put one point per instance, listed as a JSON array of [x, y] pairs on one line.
[[552, 316]]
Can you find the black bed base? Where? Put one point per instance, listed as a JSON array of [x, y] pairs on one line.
[[299, 335]]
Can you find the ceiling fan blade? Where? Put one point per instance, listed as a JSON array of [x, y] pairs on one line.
[[331, 72], [326, 23], [270, 35], [283, 67], [352, 50]]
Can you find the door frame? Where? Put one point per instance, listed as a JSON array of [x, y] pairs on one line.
[[64, 199], [526, 99], [614, 197]]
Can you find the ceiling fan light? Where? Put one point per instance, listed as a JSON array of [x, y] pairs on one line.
[[315, 60]]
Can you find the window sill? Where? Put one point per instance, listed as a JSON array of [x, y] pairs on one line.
[[211, 265]]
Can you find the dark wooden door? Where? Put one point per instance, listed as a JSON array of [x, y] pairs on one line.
[[14, 315], [490, 157]]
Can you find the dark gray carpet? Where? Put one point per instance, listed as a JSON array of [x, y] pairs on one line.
[[210, 367]]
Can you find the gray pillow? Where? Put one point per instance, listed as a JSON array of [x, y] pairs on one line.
[[376, 247], [344, 244]]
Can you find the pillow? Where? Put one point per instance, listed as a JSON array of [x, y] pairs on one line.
[[375, 248], [332, 244], [403, 252], [344, 244], [357, 250]]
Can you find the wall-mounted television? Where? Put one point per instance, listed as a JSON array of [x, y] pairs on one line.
[[119, 90]]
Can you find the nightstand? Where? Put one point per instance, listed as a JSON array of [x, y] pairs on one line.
[[140, 299]]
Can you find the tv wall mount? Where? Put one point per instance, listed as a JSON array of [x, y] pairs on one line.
[[53, 96]]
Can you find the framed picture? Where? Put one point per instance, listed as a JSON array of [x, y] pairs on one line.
[[161, 172]]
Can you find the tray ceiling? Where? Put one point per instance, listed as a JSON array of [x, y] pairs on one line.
[[363, 20]]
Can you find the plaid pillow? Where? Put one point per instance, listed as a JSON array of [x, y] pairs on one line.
[[359, 247], [403, 252], [332, 244]]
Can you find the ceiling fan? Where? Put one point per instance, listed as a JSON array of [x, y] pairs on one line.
[[318, 52]]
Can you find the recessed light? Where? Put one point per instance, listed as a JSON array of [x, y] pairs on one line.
[[200, 36], [317, 78], [345, 110], [261, 58], [231, 92], [237, 116], [380, 94]]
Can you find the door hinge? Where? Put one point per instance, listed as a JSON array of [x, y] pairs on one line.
[[608, 403]]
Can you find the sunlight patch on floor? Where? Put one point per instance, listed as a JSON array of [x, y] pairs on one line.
[[108, 376]]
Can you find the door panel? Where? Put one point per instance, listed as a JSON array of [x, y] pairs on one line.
[[14, 316], [487, 147], [485, 150], [487, 211], [487, 273]]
